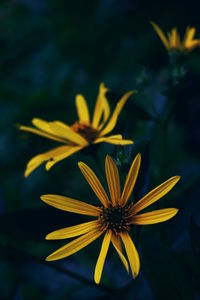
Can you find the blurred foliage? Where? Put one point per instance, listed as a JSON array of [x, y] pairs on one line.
[[52, 50]]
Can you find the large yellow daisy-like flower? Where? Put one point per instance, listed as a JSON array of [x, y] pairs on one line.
[[172, 40], [115, 216], [82, 133]]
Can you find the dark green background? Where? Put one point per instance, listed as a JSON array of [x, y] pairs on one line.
[[49, 52]]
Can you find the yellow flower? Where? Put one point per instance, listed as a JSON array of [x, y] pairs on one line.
[[173, 42], [114, 217], [82, 133]]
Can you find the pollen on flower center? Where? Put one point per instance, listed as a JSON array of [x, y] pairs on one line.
[[115, 218], [86, 130]]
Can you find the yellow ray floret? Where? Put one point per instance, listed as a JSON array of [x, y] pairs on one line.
[[80, 134], [173, 42], [114, 216]]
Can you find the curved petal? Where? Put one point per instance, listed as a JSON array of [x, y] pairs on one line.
[[102, 139], [75, 245], [113, 120], [161, 35], [113, 180], [102, 257], [190, 33], [102, 107], [94, 183], [42, 133], [68, 134], [68, 152], [131, 179], [113, 139], [118, 247], [42, 125], [71, 205], [132, 254], [82, 109], [155, 194], [156, 216], [30, 168], [193, 44], [72, 231], [175, 39], [51, 155]]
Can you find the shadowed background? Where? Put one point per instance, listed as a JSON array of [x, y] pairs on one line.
[[50, 51]]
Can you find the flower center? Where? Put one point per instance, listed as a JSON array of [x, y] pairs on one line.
[[114, 218], [86, 130]]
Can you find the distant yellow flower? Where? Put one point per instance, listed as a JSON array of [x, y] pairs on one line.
[[114, 217], [173, 42], [82, 133]]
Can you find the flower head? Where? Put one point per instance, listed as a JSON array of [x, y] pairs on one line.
[[173, 42], [82, 133], [114, 217]]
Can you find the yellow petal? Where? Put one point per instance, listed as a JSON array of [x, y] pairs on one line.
[[72, 231], [118, 247], [68, 134], [61, 124], [156, 216], [102, 139], [161, 35], [155, 194], [37, 160], [193, 44], [190, 35], [68, 152], [113, 120], [94, 183], [131, 179], [113, 139], [102, 257], [42, 133], [102, 107], [75, 245], [42, 125], [82, 109], [173, 40], [132, 253], [113, 180], [32, 167], [71, 205]]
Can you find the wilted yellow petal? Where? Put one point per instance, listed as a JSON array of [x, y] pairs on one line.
[[131, 179], [132, 253], [94, 183], [71, 205], [102, 257], [75, 245], [155, 194], [113, 180], [156, 216], [82, 109]]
